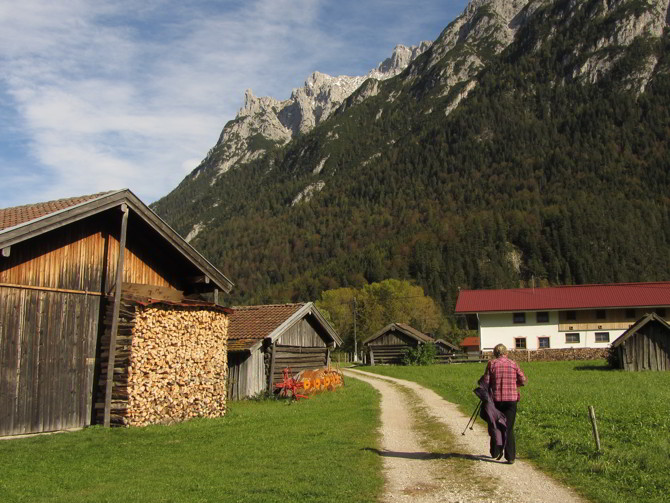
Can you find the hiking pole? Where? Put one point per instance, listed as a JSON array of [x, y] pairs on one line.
[[473, 418]]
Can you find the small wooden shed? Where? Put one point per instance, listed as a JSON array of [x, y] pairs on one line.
[[645, 345], [443, 347], [64, 267], [265, 339], [470, 345], [390, 344]]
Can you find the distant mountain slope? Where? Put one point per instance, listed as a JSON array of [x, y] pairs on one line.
[[529, 141]]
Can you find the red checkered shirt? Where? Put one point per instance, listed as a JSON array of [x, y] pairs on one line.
[[502, 377]]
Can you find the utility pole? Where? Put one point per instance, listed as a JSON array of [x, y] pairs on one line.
[[355, 341]]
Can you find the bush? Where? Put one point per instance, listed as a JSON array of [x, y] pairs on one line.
[[613, 358], [423, 355]]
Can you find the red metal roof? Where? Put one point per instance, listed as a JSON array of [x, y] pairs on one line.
[[250, 324], [470, 342], [565, 297], [9, 217]]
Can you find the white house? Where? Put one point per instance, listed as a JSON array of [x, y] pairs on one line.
[[585, 316]]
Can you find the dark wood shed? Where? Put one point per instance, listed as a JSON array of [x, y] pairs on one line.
[[645, 345], [64, 266], [263, 340], [390, 344]]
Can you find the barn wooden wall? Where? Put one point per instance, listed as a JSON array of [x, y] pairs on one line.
[[390, 347], [50, 303], [47, 360], [647, 350], [302, 333], [246, 374], [298, 358]]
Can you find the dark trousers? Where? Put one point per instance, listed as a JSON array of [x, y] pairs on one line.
[[509, 409]]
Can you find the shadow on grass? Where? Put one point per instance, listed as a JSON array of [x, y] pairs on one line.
[[595, 367], [431, 455]]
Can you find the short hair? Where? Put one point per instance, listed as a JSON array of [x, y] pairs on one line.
[[499, 350]]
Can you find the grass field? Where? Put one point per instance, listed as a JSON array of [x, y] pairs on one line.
[[317, 450], [554, 431]]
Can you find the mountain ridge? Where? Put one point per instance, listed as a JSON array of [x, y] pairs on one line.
[[485, 163]]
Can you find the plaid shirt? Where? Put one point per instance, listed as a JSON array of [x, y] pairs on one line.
[[502, 376]]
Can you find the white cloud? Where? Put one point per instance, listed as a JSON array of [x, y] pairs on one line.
[[105, 95]]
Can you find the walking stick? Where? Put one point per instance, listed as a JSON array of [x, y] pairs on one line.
[[473, 418]]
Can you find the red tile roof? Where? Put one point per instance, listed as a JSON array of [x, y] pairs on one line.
[[250, 324], [9, 217], [470, 342], [565, 297]]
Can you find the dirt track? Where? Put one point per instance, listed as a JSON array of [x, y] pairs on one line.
[[437, 463]]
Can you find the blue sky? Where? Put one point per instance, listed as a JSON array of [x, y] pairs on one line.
[[106, 94]]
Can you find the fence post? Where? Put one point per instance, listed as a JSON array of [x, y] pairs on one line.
[[592, 416]]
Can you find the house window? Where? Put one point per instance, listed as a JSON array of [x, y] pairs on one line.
[[542, 316], [520, 343], [661, 312], [602, 336], [543, 342], [519, 318], [601, 314], [571, 315], [572, 338]]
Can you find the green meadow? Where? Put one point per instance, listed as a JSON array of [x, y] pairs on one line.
[[318, 450], [554, 431]]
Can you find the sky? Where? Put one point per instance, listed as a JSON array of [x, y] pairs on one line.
[[100, 95]]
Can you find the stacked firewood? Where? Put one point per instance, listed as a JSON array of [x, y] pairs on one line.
[[172, 365], [559, 354]]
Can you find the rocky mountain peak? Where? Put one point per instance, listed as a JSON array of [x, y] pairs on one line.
[[279, 121]]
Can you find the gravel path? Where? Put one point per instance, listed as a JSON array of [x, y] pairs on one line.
[[440, 464]]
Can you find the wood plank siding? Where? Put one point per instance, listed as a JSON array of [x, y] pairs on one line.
[[51, 289], [298, 358], [649, 350], [47, 350], [246, 374], [390, 347]]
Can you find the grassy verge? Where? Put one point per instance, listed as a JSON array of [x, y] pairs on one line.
[[553, 429], [268, 451]]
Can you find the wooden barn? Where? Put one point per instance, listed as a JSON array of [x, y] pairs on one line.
[[645, 345], [263, 340], [64, 267], [391, 343]]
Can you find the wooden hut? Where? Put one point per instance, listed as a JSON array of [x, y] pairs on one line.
[[390, 344], [446, 348], [645, 345], [263, 340], [470, 345], [64, 267]]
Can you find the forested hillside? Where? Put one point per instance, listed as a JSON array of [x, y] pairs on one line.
[[553, 168]]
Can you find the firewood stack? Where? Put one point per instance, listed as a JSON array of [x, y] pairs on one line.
[[170, 364]]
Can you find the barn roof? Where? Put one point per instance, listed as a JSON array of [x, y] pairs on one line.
[[20, 223], [565, 297], [449, 345], [11, 217], [403, 328], [469, 342], [250, 325], [647, 318]]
